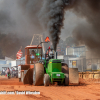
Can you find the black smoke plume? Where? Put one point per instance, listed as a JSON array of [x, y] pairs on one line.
[[53, 14]]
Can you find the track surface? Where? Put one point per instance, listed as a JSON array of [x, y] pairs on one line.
[[86, 90]]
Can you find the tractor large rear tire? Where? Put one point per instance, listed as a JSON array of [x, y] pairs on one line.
[[46, 80], [38, 74], [65, 68], [66, 80]]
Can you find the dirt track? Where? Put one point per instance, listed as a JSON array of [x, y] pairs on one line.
[[86, 90]]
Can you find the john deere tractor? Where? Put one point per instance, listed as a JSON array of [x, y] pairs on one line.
[[52, 70], [49, 70]]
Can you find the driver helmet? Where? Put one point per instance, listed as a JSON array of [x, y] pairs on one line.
[[51, 54]]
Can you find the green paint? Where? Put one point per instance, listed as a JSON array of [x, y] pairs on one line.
[[8, 74], [37, 54], [53, 68]]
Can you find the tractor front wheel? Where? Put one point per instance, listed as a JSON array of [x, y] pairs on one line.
[[46, 80], [65, 68]]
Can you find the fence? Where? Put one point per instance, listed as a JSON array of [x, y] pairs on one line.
[[93, 64]]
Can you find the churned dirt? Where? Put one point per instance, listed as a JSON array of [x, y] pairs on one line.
[[85, 90]]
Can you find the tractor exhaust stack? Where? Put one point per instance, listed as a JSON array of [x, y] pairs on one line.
[[55, 55]]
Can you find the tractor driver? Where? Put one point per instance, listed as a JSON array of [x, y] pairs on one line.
[[51, 55], [33, 56], [47, 57]]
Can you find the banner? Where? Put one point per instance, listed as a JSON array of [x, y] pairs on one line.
[[19, 54]]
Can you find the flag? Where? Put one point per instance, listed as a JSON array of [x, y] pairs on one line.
[[19, 54], [47, 39]]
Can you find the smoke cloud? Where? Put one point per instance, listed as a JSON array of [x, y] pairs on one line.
[[27, 17], [88, 32], [53, 14], [20, 17]]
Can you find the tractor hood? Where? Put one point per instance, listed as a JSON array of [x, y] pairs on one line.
[[54, 61], [54, 65]]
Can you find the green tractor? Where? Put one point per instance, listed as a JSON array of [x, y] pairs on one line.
[[49, 70], [52, 70]]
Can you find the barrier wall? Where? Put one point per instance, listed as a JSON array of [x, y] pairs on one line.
[[89, 75]]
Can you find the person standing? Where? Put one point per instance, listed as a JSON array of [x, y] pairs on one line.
[[11, 72], [8, 73]]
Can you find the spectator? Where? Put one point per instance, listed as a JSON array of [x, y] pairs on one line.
[[8, 73], [11, 71]]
